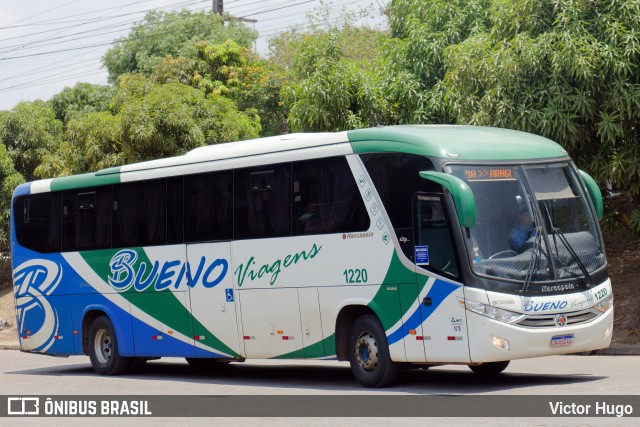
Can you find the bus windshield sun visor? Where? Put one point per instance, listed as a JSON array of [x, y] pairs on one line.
[[462, 194]]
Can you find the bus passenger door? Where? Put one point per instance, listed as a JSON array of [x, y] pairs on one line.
[[213, 300], [444, 321]]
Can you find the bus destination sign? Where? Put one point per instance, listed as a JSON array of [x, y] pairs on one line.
[[489, 174]]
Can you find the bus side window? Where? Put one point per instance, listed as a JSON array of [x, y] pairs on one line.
[[86, 221], [139, 213], [208, 206], [37, 221], [175, 210], [262, 202], [326, 198]]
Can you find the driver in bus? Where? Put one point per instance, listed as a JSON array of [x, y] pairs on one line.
[[521, 232]]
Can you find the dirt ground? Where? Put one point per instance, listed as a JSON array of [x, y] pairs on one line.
[[8, 313], [624, 270], [623, 255]]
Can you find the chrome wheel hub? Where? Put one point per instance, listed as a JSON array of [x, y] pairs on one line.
[[102, 346], [367, 352]]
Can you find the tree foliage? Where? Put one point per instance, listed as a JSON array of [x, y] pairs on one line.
[[163, 120], [171, 33], [569, 70], [9, 180], [333, 87], [29, 131], [421, 31], [91, 142], [81, 98]]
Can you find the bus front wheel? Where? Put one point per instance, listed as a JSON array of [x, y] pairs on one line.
[[369, 356], [103, 349], [489, 369]]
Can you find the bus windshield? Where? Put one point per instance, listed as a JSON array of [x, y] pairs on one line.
[[534, 223]]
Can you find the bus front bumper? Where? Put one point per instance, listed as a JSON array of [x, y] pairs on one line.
[[494, 341]]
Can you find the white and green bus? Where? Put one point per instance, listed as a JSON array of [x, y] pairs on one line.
[[387, 247]]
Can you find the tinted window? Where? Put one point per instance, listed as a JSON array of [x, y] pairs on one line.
[[37, 221], [396, 177], [326, 198], [175, 210], [263, 202], [434, 242], [139, 213], [87, 219], [209, 206]]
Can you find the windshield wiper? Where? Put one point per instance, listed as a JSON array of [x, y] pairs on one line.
[[533, 262], [556, 231]]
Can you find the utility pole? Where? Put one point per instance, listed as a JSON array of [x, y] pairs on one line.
[[217, 6]]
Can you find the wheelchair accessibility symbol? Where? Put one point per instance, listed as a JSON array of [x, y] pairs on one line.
[[229, 294]]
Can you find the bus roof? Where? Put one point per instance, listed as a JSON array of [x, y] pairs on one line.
[[455, 142], [440, 141]]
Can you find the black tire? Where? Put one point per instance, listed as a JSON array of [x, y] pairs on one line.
[[489, 369], [207, 365], [103, 349], [369, 356]]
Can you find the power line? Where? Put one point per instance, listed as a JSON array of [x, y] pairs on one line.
[[108, 29], [53, 81], [57, 20], [73, 48], [277, 8], [45, 78], [38, 14], [102, 18], [34, 72]]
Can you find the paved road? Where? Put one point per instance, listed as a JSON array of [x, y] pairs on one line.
[[28, 373], [562, 375]]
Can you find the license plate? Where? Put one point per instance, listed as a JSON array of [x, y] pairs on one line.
[[562, 340]]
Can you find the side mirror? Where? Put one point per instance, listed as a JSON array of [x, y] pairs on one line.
[[462, 195], [594, 193]]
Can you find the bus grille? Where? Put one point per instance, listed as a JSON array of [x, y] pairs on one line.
[[549, 320]]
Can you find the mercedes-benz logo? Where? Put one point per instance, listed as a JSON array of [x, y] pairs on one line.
[[561, 320]]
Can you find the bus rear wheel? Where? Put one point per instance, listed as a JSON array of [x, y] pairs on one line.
[[369, 356], [103, 349], [489, 369]]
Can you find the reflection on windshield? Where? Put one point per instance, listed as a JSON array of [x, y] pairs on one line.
[[514, 204]]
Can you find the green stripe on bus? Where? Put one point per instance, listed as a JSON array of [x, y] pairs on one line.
[[109, 171], [163, 305], [323, 348], [390, 309], [82, 181]]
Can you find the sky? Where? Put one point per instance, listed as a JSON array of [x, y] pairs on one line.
[[46, 45]]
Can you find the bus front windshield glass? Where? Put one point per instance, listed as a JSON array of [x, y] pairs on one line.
[[534, 223]]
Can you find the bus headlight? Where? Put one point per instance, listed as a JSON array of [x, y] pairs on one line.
[[605, 304], [491, 312]]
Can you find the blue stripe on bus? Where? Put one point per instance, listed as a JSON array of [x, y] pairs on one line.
[[438, 293]]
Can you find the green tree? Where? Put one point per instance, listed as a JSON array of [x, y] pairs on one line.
[[235, 72], [81, 98], [163, 120], [30, 131], [171, 33], [91, 142], [421, 31], [333, 85], [569, 70], [262, 84], [9, 180]]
